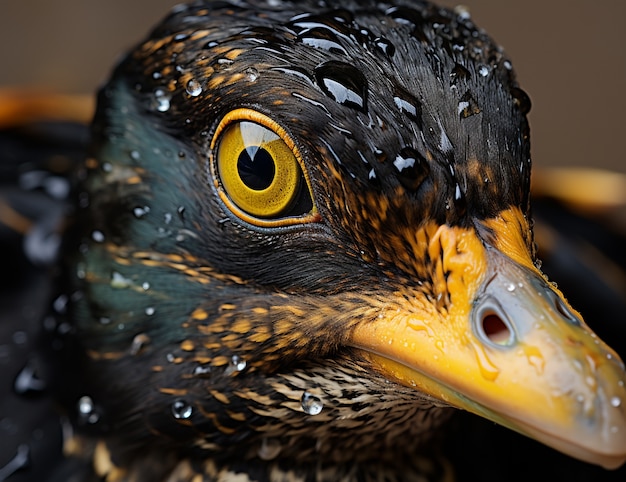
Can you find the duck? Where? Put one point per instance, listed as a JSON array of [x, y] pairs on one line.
[[300, 237]]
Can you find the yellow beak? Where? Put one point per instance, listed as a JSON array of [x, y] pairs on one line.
[[506, 346]]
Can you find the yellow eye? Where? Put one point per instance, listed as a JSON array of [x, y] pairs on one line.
[[258, 171]]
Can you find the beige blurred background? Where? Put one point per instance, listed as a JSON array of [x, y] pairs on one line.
[[569, 55]]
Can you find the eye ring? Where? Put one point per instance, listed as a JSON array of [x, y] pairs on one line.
[[258, 171]]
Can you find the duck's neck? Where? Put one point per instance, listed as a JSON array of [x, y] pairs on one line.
[[333, 421]]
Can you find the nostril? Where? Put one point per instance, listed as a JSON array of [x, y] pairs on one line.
[[564, 311], [495, 329], [492, 324]]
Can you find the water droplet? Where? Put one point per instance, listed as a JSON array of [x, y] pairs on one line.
[[468, 106], [64, 328], [487, 369], [135, 155], [145, 286], [103, 320], [85, 405], [311, 404], [139, 343], [56, 186], [150, 311], [87, 410], [510, 287], [385, 46], [483, 71], [42, 242], [202, 371], [81, 270], [27, 381], [181, 409], [270, 449], [381, 156], [616, 402], [458, 194], [97, 236], [343, 83], [59, 305], [167, 217], [412, 168], [161, 101], [459, 73], [411, 108], [343, 15], [140, 212], [181, 37], [322, 38], [445, 145], [405, 15], [534, 356], [193, 88], [236, 364], [252, 74], [118, 281]]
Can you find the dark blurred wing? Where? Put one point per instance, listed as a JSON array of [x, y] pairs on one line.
[[36, 158]]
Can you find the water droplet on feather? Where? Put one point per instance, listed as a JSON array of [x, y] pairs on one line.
[[311, 404], [193, 88], [343, 83], [161, 100], [118, 281], [468, 106], [412, 168], [202, 371], [139, 343], [252, 74], [235, 365], [28, 381], [411, 108], [385, 46], [181, 410], [140, 212], [97, 236], [87, 410]]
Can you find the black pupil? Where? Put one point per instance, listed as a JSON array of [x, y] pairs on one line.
[[256, 172]]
